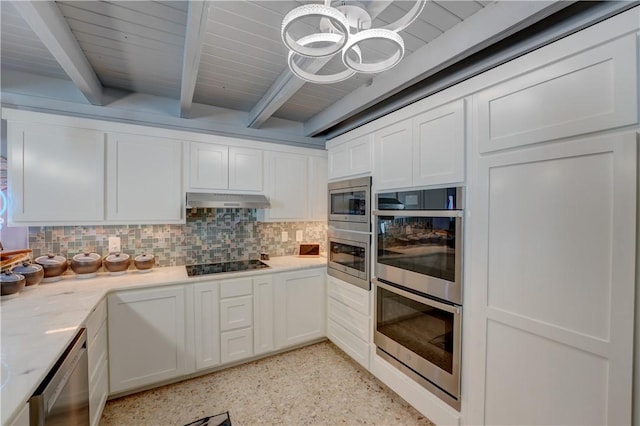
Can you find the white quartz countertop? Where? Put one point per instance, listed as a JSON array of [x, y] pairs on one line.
[[38, 325]]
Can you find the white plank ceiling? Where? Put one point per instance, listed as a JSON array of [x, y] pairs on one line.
[[139, 46]]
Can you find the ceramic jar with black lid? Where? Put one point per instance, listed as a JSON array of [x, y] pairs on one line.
[[144, 262], [11, 284], [32, 272], [117, 263], [86, 264], [53, 266]]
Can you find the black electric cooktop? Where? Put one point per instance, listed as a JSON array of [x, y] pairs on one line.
[[217, 268]]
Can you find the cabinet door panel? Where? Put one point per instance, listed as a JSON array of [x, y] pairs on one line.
[[551, 102], [360, 154], [393, 156], [209, 166], [287, 186], [146, 337], [207, 324], [338, 162], [144, 179], [263, 315], [318, 188], [438, 147], [300, 306], [56, 174], [245, 169]]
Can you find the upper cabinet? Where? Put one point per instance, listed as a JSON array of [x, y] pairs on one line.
[[220, 167], [56, 174], [296, 185], [144, 179], [427, 149], [287, 185], [582, 93], [351, 158]]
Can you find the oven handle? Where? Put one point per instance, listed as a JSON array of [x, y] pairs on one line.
[[421, 299], [419, 213]]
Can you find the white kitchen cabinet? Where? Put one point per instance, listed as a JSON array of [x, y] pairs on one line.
[[56, 174], [245, 169], [263, 315], [553, 273], [300, 306], [351, 158], [551, 102], [96, 326], [287, 186], [318, 188], [236, 345], [147, 337], [424, 150], [221, 167], [393, 150], [438, 145], [349, 319], [207, 324], [144, 179], [236, 312]]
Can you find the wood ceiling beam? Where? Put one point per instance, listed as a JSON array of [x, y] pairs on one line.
[[48, 22], [493, 23], [287, 84], [197, 19]]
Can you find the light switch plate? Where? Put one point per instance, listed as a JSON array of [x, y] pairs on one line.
[[299, 235], [285, 236], [114, 244]]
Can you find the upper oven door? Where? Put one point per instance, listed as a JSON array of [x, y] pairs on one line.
[[349, 205], [348, 257], [421, 250]]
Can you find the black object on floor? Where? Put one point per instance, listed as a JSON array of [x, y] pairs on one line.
[[221, 419]]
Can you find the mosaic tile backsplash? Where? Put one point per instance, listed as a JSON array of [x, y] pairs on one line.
[[209, 235]]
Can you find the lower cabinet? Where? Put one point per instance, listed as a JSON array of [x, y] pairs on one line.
[[163, 333], [96, 326], [300, 306], [349, 319], [147, 338]]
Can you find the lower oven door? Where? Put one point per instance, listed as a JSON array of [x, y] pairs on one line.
[[421, 337]]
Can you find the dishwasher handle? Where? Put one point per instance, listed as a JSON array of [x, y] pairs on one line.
[[49, 390]]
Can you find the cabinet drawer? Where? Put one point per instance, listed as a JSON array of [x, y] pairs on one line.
[[236, 313], [234, 288], [236, 345], [349, 318], [95, 320], [97, 352], [350, 295], [348, 342]]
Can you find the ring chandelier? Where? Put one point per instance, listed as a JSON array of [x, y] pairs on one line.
[[343, 29]]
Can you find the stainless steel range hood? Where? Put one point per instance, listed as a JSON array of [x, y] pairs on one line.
[[226, 201]]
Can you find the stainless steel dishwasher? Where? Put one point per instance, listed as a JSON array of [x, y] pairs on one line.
[[63, 396]]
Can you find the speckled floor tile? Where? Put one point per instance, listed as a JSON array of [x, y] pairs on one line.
[[314, 385]]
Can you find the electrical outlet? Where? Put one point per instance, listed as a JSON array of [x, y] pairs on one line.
[[299, 235], [285, 236], [114, 244]]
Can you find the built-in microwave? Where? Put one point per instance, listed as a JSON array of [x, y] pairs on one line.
[[348, 256], [350, 204]]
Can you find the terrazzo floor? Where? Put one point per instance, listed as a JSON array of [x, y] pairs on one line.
[[314, 385]]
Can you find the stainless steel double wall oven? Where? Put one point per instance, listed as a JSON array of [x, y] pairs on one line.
[[349, 231], [418, 284]]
